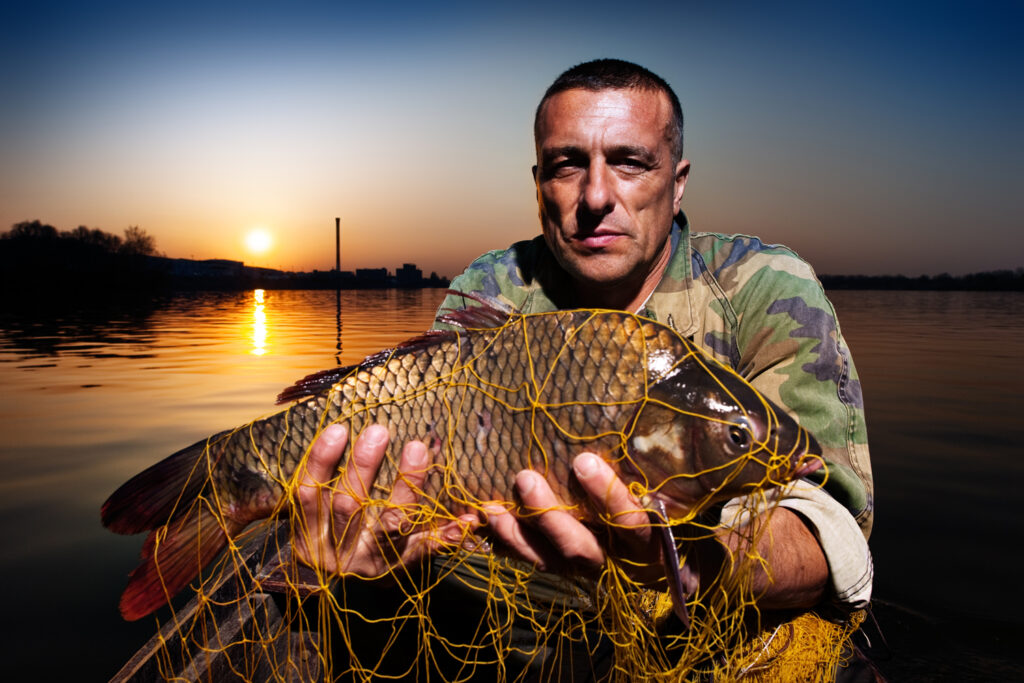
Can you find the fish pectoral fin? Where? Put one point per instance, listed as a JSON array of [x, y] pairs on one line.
[[491, 312], [682, 581]]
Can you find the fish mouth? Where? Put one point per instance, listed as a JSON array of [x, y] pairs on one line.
[[808, 457], [674, 510], [807, 464]]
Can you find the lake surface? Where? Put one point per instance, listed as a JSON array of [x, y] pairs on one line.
[[94, 395]]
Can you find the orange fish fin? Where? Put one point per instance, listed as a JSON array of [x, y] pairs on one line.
[[172, 557], [151, 497]]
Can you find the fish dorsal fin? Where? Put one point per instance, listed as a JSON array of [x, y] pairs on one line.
[[314, 384], [318, 382], [492, 311]]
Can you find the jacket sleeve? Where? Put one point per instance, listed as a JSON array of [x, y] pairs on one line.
[[790, 347]]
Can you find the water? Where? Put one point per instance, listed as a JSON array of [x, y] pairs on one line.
[[943, 382], [91, 397]]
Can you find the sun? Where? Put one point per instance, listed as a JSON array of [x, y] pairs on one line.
[[258, 240]]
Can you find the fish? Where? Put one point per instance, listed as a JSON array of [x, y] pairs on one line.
[[498, 392]]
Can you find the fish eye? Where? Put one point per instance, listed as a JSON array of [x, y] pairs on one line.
[[739, 435]]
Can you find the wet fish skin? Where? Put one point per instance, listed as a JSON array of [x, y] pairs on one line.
[[489, 400]]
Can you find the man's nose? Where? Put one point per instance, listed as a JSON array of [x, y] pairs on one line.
[[598, 194]]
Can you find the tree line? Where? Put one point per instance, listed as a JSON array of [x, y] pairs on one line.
[[35, 234], [992, 280], [36, 258]]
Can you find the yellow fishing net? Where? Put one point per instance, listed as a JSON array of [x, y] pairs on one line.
[[256, 614]]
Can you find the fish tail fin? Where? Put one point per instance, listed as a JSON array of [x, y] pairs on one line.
[[149, 499], [172, 556]]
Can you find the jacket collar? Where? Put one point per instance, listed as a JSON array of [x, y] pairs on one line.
[[673, 299]]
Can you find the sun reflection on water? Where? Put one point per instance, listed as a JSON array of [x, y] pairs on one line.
[[259, 325]]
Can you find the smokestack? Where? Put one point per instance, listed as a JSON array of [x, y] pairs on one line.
[[337, 245]]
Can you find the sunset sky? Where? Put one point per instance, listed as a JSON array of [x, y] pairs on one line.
[[872, 138]]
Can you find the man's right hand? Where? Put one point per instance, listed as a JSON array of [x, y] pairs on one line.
[[345, 530]]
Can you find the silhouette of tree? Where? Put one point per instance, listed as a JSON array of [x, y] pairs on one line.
[[95, 238], [137, 242], [31, 231]]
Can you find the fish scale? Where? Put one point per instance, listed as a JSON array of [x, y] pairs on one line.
[[489, 400]]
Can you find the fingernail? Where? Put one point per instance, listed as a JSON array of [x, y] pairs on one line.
[[585, 465], [525, 481], [375, 435], [492, 511], [332, 434], [417, 455]]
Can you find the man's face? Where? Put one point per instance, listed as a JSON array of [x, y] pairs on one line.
[[607, 186]]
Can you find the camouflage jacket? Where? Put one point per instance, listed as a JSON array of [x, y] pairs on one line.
[[760, 309]]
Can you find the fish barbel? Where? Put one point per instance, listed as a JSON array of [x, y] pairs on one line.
[[502, 393]]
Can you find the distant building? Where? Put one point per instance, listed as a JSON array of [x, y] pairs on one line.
[[227, 274], [211, 268], [372, 277], [409, 276], [264, 273]]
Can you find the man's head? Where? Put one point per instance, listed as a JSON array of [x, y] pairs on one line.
[[610, 178], [616, 74]]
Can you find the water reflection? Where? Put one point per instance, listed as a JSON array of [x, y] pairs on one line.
[[337, 300], [73, 329], [259, 325]]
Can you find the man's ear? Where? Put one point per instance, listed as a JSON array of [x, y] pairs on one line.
[[682, 175]]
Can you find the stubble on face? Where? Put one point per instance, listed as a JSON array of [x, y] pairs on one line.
[[608, 188]]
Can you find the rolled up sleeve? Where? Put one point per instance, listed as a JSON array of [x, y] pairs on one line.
[[846, 550]]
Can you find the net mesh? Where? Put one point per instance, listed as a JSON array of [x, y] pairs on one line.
[[256, 613]]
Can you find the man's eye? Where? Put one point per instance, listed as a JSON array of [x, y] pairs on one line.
[[562, 167], [632, 165]]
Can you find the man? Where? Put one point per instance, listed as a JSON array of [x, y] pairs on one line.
[[610, 177]]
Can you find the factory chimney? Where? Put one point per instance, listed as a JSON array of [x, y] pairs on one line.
[[337, 245]]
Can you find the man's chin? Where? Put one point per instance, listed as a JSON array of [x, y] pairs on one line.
[[591, 277]]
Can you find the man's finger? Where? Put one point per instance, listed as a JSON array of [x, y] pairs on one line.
[[361, 470], [508, 531], [321, 467], [573, 543], [322, 464], [613, 500], [454, 534], [412, 472]]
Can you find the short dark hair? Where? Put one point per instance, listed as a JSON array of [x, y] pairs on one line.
[[617, 74]]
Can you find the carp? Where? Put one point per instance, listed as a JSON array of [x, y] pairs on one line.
[[499, 393]]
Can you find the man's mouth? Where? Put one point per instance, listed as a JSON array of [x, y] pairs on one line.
[[599, 239]]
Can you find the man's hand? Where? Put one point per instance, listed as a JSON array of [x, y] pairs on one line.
[[554, 540], [346, 531]]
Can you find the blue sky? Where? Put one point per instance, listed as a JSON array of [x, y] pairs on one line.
[[871, 138]]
